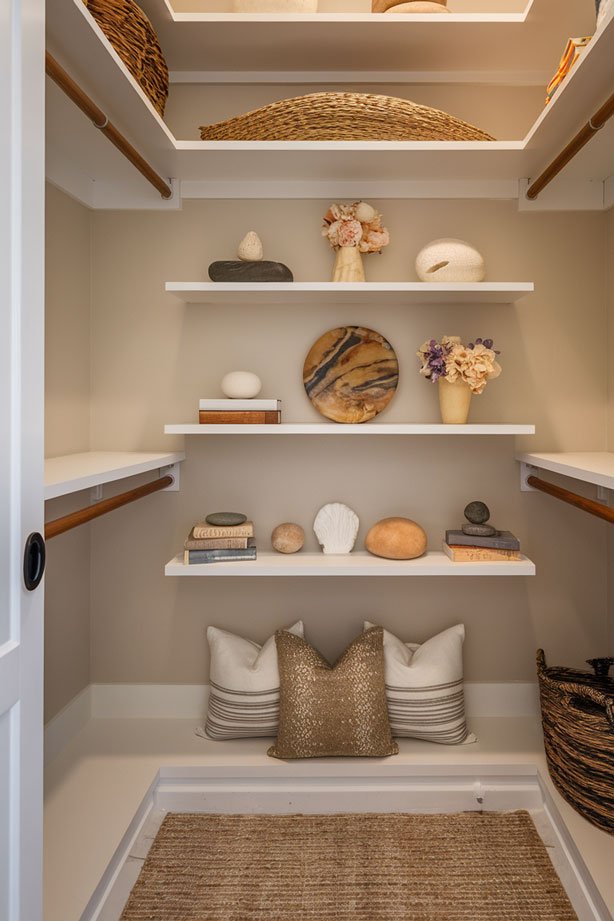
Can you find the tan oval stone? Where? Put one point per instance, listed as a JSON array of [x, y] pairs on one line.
[[396, 539], [287, 537]]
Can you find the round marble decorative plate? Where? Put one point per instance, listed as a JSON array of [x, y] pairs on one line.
[[351, 374]]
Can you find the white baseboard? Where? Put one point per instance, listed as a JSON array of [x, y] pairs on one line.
[[67, 723], [189, 701]]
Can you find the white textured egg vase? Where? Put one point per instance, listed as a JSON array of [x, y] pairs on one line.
[[275, 6], [454, 401], [241, 385], [348, 264], [450, 260]]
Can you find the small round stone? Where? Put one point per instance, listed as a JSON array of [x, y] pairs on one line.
[[288, 537], [477, 512], [479, 530], [225, 519]]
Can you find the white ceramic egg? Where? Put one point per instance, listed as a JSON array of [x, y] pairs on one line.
[[241, 385], [450, 260]]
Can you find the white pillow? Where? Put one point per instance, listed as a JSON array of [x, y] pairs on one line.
[[244, 686], [424, 687]]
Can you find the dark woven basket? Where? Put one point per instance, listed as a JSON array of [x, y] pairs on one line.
[[578, 720], [135, 40]]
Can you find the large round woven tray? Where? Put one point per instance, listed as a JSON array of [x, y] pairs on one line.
[[343, 117], [135, 40], [578, 721]]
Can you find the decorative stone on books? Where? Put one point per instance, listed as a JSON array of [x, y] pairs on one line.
[[477, 514], [226, 519], [250, 266]]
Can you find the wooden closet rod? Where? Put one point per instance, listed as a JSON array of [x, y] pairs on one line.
[[60, 525], [587, 505], [101, 121], [576, 144]]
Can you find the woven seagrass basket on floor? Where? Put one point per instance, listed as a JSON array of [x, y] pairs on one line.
[[343, 117], [578, 720], [135, 40]]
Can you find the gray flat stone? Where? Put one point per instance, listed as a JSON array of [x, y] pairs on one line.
[[225, 519], [234, 270], [477, 512], [479, 530]]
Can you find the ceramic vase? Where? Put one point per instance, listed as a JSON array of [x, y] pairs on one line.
[[348, 265], [454, 401]]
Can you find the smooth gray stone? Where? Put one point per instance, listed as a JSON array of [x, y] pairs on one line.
[[477, 512], [225, 519], [236, 270], [479, 530]]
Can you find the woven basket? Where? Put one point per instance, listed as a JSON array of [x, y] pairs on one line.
[[135, 40], [578, 721], [343, 117]]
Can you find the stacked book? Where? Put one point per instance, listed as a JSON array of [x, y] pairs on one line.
[[239, 412], [465, 548], [207, 543]]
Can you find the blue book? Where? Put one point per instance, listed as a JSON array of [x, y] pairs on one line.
[[220, 556]]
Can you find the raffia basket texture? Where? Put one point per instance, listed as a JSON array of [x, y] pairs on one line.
[[135, 40], [578, 721], [343, 117]]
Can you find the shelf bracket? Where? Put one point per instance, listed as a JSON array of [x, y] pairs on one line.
[[95, 493], [603, 495], [174, 471], [527, 470]]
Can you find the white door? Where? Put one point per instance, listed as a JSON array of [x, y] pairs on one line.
[[21, 453]]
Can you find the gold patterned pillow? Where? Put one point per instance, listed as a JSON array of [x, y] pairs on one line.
[[332, 710]]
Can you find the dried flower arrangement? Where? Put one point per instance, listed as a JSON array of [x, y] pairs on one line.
[[475, 363], [358, 224]]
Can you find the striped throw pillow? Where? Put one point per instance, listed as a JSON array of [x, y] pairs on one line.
[[424, 687], [244, 686]]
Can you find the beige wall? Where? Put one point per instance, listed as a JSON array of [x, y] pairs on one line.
[[67, 423], [152, 358]]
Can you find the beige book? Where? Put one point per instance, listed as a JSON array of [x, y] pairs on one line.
[[479, 554], [202, 530], [216, 543]]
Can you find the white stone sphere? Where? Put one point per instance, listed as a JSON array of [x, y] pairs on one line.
[[241, 385], [450, 260]]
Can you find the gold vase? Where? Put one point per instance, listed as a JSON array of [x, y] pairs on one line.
[[454, 401], [348, 265]]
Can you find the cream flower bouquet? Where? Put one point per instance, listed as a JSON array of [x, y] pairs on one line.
[[353, 230], [461, 370]]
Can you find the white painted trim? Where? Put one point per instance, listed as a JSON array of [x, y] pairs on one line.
[[307, 77], [491, 189], [417, 790], [95, 906], [189, 701], [67, 723]]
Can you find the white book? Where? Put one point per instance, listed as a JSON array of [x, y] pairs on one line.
[[239, 405]]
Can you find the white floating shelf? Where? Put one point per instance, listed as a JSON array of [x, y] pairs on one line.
[[369, 292], [83, 163], [73, 472], [511, 36], [366, 428], [360, 563], [591, 467]]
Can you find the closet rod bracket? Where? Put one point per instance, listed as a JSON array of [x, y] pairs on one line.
[[527, 470], [174, 471]]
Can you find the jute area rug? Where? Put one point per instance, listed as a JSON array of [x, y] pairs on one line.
[[363, 867]]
